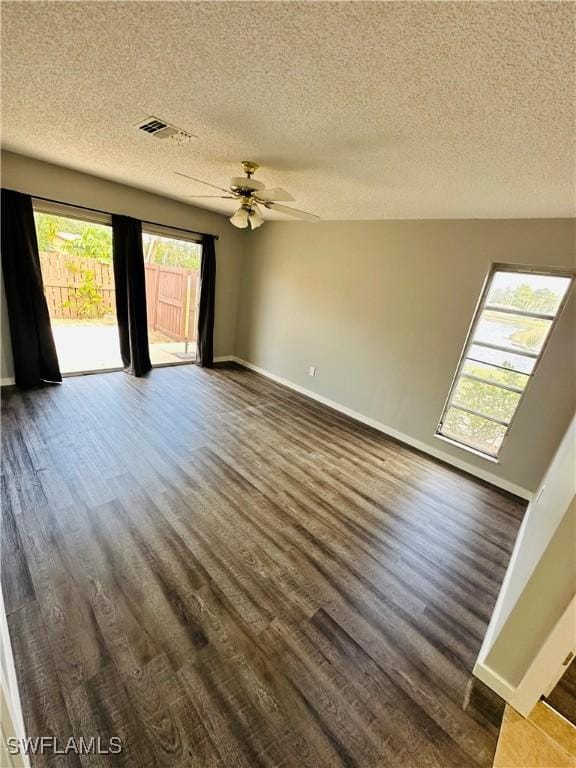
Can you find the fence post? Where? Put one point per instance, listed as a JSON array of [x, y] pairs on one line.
[[153, 271], [187, 311]]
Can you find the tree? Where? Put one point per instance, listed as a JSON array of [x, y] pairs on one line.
[[46, 231], [86, 240], [525, 297], [76, 238], [170, 252], [86, 300], [95, 242], [483, 398]]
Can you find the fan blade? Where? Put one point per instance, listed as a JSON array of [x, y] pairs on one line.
[[185, 175], [292, 212], [219, 197], [271, 195]]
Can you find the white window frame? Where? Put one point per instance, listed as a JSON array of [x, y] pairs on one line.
[[66, 211], [171, 232], [536, 356]]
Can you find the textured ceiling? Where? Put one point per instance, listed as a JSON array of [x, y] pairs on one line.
[[361, 110]]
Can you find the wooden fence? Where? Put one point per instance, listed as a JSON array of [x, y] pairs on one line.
[[171, 298], [71, 283], [65, 283]]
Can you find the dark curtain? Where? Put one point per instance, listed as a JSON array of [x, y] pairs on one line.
[[205, 353], [33, 347], [130, 284]]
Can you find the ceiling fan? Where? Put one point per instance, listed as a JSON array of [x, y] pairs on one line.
[[252, 193]]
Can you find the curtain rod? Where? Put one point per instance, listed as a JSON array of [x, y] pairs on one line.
[[108, 213]]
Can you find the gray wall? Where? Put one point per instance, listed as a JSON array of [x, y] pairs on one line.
[[540, 606], [46, 180], [543, 516], [541, 577], [382, 310]]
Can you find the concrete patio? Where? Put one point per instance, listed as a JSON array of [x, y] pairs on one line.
[[93, 346]]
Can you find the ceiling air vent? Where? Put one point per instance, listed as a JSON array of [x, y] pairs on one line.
[[160, 129]]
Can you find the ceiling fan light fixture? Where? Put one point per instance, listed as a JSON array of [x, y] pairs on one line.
[[251, 193], [240, 218], [255, 219]]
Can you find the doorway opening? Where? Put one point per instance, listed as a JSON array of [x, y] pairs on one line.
[[172, 268], [562, 697], [75, 248]]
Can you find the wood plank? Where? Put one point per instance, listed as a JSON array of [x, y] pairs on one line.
[[46, 711]]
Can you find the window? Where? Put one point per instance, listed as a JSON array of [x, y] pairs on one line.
[[515, 317]]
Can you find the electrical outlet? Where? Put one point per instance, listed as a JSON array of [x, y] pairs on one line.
[[312, 370]]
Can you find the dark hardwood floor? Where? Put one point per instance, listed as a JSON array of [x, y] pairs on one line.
[[224, 573], [563, 697]]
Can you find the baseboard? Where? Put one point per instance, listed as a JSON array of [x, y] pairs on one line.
[[401, 436], [495, 682], [225, 359], [7, 382]]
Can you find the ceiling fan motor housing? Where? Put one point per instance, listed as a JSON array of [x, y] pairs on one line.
[[242, 184]]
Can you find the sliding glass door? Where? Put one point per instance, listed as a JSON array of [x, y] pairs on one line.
[[172, 267], [76, 258], [76, 261]]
